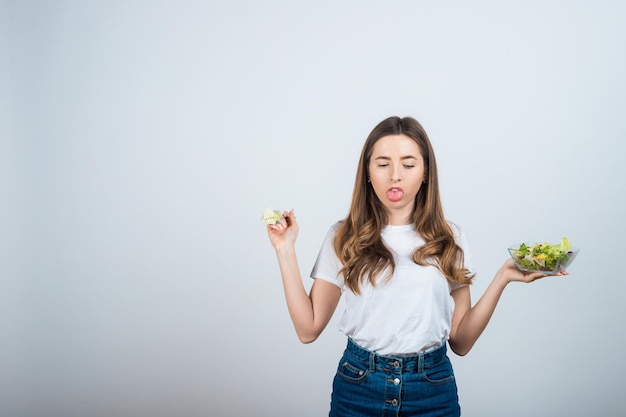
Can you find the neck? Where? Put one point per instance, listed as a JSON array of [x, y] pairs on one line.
[[399, 217]]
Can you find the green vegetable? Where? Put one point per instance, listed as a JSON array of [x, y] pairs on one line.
[[543, 256]]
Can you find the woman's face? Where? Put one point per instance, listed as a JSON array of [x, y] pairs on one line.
[[396, 172]]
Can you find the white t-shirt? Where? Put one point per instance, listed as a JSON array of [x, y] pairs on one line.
[[407, 314]]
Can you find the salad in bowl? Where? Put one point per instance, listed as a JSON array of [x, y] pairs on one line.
[[543, 257]]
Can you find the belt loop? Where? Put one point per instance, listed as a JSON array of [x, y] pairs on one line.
[[420, 363], [372, 362]]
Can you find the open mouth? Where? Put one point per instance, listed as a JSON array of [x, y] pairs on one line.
[[395, 194]]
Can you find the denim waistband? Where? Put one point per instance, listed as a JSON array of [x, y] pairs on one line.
[[413, 361]]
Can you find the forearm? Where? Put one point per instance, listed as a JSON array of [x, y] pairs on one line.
[[476, 318], [298, 301]]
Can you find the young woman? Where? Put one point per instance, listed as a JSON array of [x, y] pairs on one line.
[[404, 273]]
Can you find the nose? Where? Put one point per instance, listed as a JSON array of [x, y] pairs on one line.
[[395, 174]]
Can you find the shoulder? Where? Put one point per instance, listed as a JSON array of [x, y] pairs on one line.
[[460, 238], [457, 231], [331, 233], [327, 264], [336, 225], [334, 228]]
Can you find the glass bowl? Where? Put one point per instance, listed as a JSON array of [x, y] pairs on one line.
[[529, 263]]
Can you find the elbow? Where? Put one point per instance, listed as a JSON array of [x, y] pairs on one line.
[[459, 349], [306, 338], [460, 352]]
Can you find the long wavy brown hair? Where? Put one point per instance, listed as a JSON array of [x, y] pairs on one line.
[[358, 241]]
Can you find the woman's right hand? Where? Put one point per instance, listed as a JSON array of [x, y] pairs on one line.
[[283, 234]]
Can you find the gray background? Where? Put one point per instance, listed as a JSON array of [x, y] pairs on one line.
[[141, 141]]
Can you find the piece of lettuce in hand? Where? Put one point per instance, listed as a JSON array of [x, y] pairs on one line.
[[271, 216]]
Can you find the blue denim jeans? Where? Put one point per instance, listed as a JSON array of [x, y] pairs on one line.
[[421, 384]]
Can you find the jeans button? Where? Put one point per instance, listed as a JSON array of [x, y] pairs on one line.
[[396, 381]]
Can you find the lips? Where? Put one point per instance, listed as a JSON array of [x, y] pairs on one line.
[[395, 194]]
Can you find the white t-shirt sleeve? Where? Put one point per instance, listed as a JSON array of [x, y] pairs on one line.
[[328, 265]]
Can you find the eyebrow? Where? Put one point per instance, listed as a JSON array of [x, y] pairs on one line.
[[388, 158]]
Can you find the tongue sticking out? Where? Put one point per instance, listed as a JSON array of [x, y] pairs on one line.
[[395, 194]]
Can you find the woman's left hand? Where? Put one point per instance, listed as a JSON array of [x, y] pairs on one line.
[[512, 274]]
